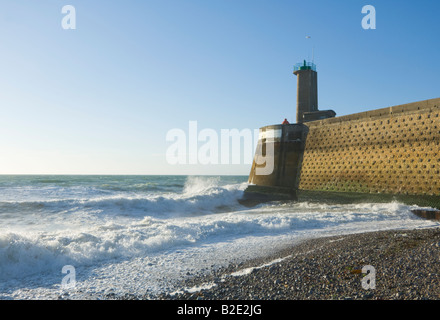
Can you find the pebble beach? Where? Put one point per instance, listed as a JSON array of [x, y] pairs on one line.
[[405, 262]]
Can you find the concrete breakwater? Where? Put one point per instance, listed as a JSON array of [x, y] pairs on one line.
[[389, 152], [392, 150]]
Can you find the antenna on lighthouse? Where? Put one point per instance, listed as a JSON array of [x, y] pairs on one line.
[[313, 50]]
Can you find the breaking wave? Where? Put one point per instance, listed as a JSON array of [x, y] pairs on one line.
[[46, 228]]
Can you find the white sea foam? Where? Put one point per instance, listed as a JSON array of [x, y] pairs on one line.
[[124, 242]]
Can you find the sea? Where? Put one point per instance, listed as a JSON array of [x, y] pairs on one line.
[[95, 237]]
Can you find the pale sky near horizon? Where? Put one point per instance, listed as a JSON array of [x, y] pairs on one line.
[[100, 99]]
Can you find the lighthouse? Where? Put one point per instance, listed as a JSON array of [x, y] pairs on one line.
[[307, 94], [277, 162]]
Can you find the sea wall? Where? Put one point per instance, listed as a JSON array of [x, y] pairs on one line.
[[277, 160], [394, 150]]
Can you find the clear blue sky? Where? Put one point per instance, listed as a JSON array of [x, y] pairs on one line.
[[100, 99]]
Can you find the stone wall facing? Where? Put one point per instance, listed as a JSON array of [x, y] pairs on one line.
[[394, 150]]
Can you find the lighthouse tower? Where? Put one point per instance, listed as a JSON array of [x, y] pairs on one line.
[[276, 168], [307, 94]]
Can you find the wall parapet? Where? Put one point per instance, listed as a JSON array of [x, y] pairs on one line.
[[408, 108]]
